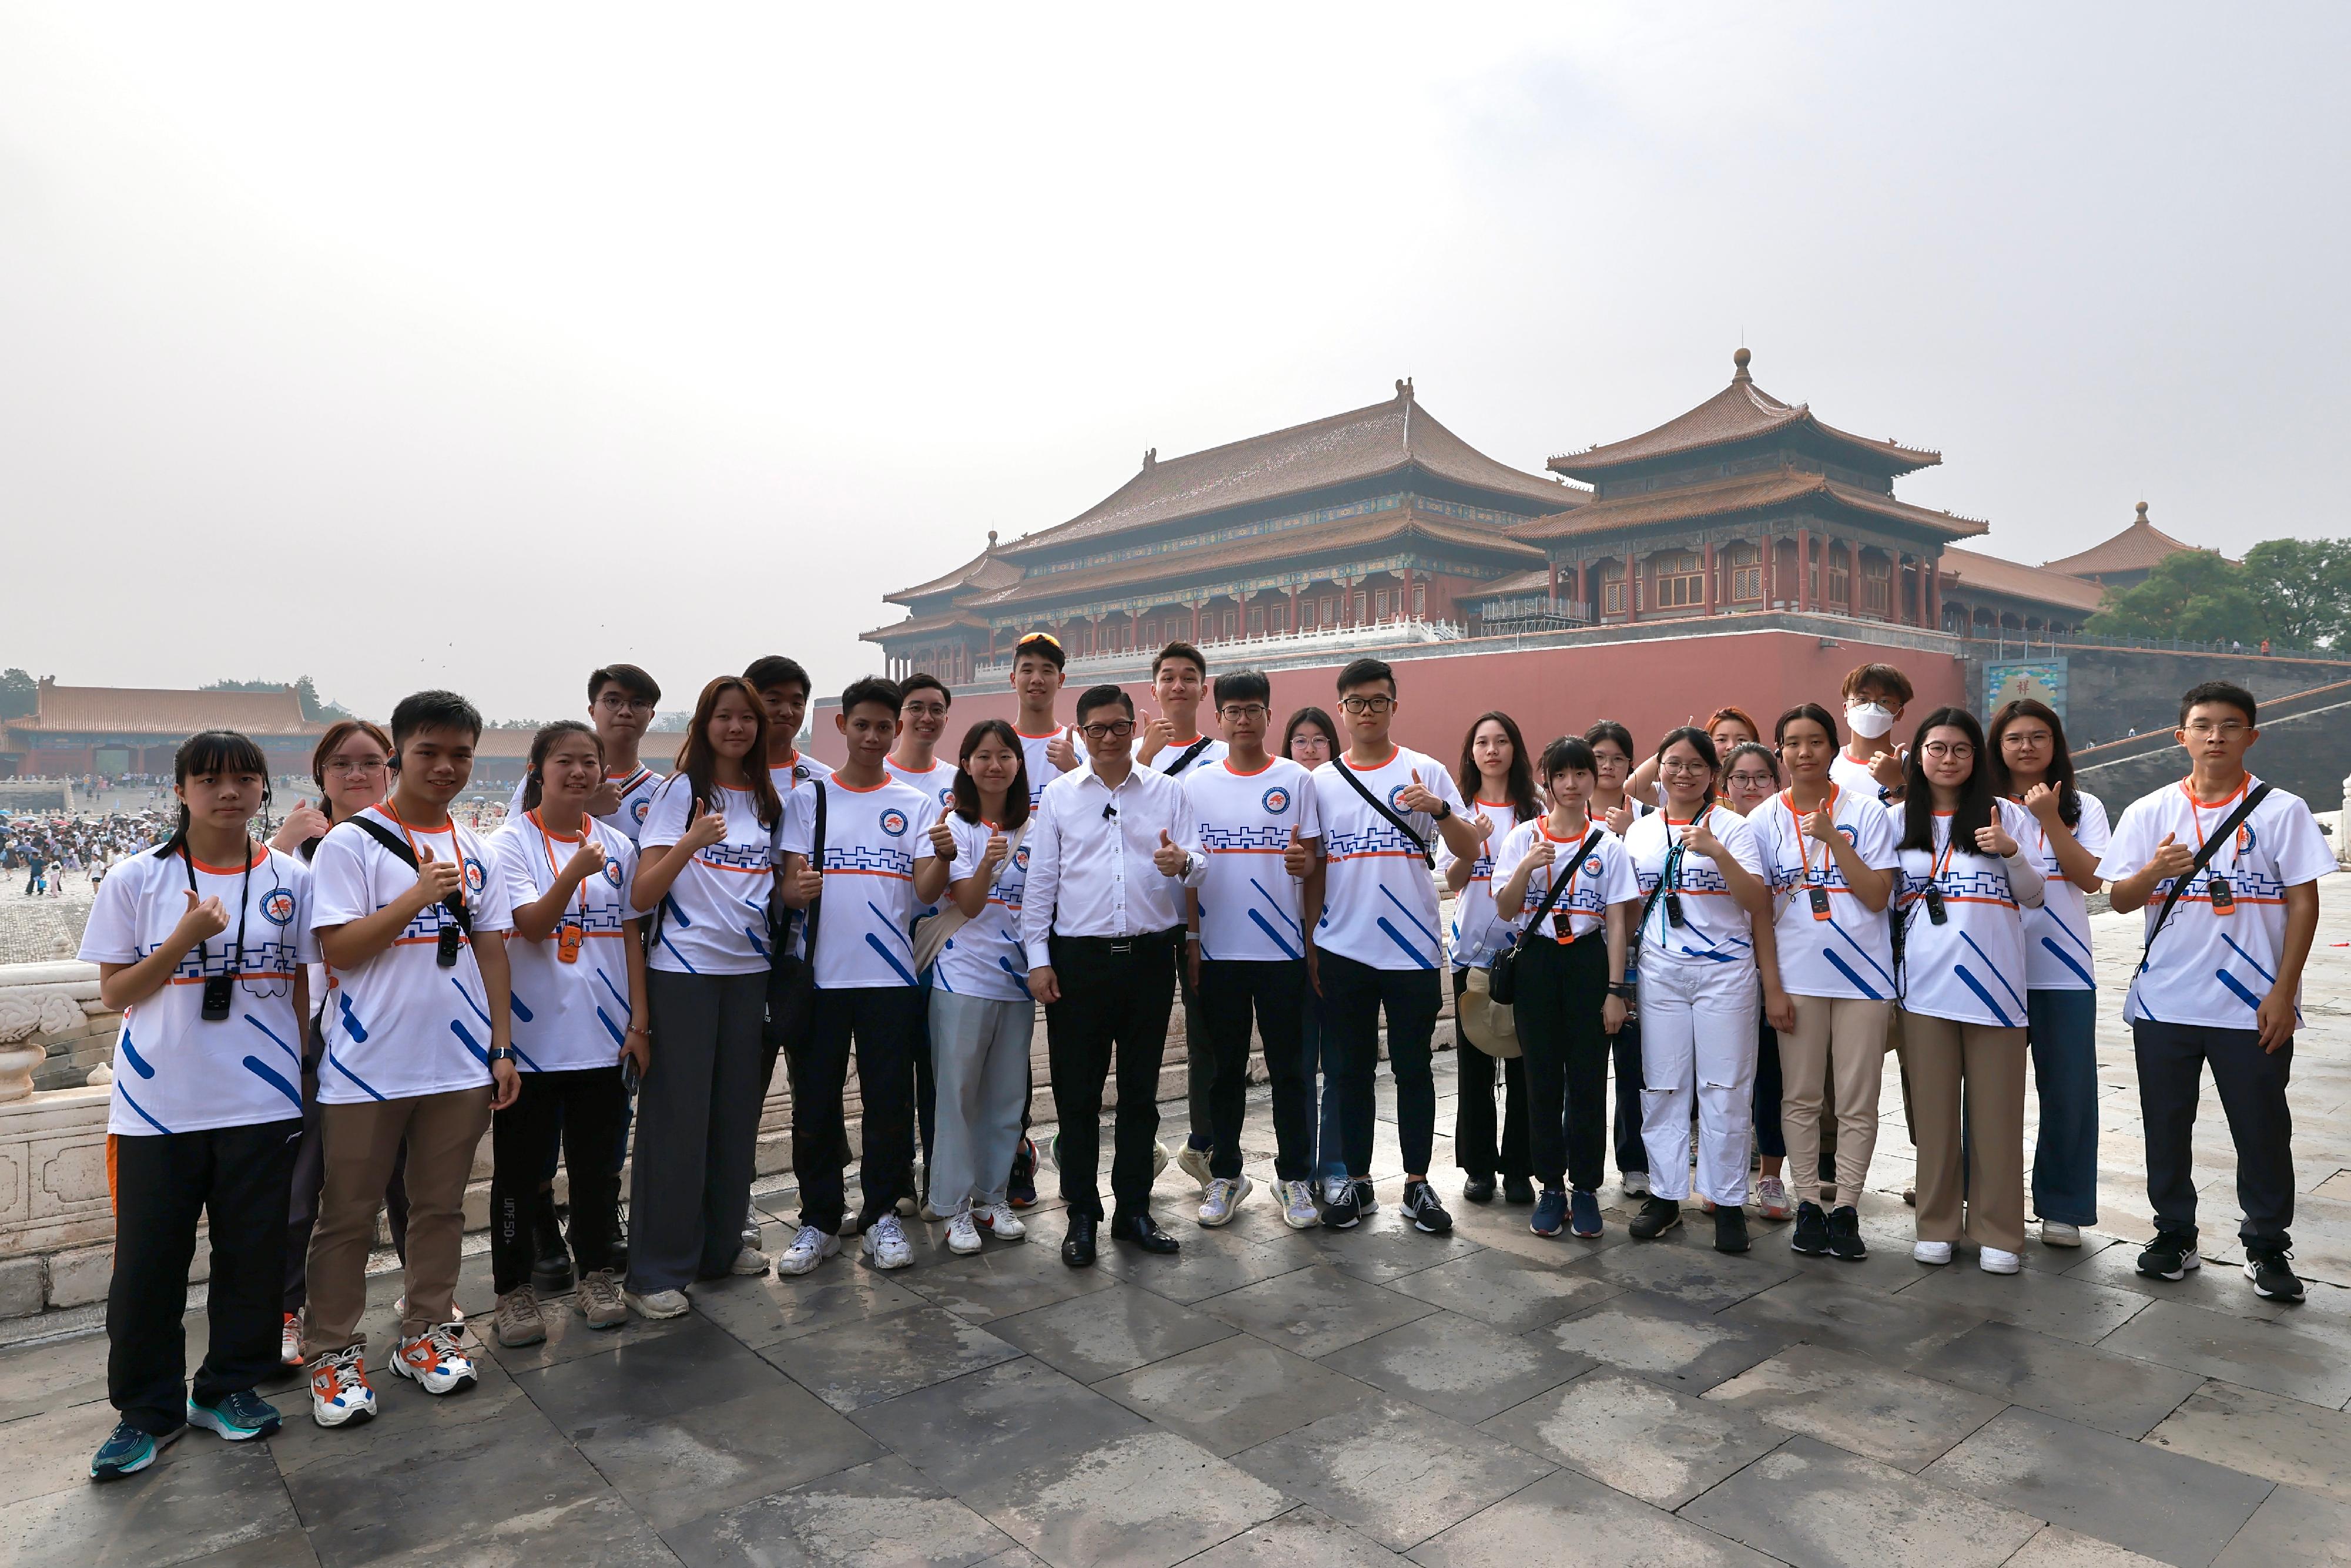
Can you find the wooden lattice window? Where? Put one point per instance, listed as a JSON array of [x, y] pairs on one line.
[[1420, 598], [1876, 585], [1745, 573], [1841, 577], [1611, 590], [1681, 579]]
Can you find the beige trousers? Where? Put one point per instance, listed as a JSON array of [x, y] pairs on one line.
[[359, 1143], [1982, 1175], [1839, 1040]]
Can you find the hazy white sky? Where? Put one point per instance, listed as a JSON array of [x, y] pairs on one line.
[[474, 346]]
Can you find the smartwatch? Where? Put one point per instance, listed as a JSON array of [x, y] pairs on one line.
[[1443, 810], [501, 1053]]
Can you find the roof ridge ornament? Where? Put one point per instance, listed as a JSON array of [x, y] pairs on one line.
[[1403, 388], [991, 539], [1738, 363], [2140, 521], [1150, 459]]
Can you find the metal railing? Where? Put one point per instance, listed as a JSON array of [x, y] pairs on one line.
[[2005, 638], [1282, 644]]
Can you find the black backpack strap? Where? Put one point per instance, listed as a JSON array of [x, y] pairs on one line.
[[455, 903], [816, 861], [1189, 757], [2179, 884], [1377, 804]]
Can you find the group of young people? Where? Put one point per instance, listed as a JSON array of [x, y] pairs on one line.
[[325, 1025]]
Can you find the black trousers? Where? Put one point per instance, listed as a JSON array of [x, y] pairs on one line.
[[586, 1112], [1564, 1044], [1631, 1153], [881, 1023], [1770, 1141], [1476, 1147], [1275, 990], [1354, 995], [697, 1128], [237, 1178], [310, 1177], [2252, 1082], [1116, 994]]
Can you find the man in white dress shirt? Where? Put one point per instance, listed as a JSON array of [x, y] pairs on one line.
[[1110, 850]]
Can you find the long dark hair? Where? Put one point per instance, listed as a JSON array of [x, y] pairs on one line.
[[1319, 719], [1518, 784], [533, 786], [2061, 760], [1699, 742], [1978, 799], [211, 751], [966, 792], [700, 764]]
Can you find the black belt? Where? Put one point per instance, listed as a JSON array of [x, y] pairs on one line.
[[1141, 942]]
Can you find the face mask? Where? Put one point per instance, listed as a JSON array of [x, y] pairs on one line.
[[1868, 719]]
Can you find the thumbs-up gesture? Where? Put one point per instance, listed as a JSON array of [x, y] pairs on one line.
[[943, 840], [1061, 751], [1620, 821], [1995, 837], [704, 828], [2171, 859], [1171, 858], [1296, 858], [1156, 737], [1698, 838], [1414, 796], [807, 884], [605, 799], [1887, 767], [302, 824], [436, 878], [201, 920], [1821, 823], [2046, 804], [1542, 852], [585, 861], [992, 855]]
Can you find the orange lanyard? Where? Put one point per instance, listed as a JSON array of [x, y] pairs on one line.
[[546, 842], [1567, 898], [2196, 809], [456, 849], [1804, 850]]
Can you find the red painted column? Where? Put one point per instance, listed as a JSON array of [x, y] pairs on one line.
[[1404, 596], [1805, 569], [1709, 576], [1551, 589], [1195, 623], [1292, 627], [1935, 595]]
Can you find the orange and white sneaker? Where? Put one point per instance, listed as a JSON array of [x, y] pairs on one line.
[[434, 1360], [289, 1341], [340, 1392]]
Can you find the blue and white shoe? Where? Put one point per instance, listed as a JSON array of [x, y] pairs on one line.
[[128, 1451], [239, 1418], [1549, 1216], [1584, 1212]]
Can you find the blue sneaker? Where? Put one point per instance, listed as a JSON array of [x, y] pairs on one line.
[[1551, 1213], [128, 1451], [238, 1417], [1584, 1208]]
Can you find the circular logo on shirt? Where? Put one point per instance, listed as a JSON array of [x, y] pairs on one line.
[[947, 797], [638, 809], [1277, 802], [613, 873], [1020, 858], [277, 907], [2245, 839], [893, 823], [1852, 834], [474, 879], [1395, 800]]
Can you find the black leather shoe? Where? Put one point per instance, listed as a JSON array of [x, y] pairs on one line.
[[1477, 1189], [1142, 1231], [1078, 1245]]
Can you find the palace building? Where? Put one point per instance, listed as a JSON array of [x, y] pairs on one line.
[[77, 730]]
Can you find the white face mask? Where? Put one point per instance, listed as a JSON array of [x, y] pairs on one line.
[[1868, 720]]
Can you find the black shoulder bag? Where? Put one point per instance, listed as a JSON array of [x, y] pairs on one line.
[[1377, 804], [791, 976], [1502, 975], [2180, 883], [1191, 753], [447, 954]]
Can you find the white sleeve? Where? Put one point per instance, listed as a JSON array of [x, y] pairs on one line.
[[1874, 838], [1443, 787], [305, 935], [969, 848], [796, 832], [919, 832], [112, 935], [1618, 884], [625, 855], [1044, 884], [493, 909], [2128, 850], [2092, 832], [339, 877], [1741, 843], [1509, 853], [509, 865], [1309, 808], [665, 816], [2304, 855]]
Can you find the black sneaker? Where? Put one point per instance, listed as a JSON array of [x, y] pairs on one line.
[[1844, 1234], [1657, 1216], [1420, 1206], [1477, 1189], [1020, 1188], [1518, 1189], [1340, 1209], [2272, 1276], [2169, 1256], [1812, 1238], [1729, 1228]]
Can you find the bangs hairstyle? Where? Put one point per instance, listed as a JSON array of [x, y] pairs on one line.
[[1730, 758], [2061, 760], [1569, 754], [1518, 784], [1098, 697], [212, 751], [1300, 720], [1243, 685], [341, 730], [1699, 742], [1363, 672], [432, 710], [920, 682], [2229, 691], [699, 763], [775, 670], [1977, 800], [966, 793], [1813, 711], [1180, 649], [1609, 730], [1754, 730], [628, 678], [533, 784], [874, 690]]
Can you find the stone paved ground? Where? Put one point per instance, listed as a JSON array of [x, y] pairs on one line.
[[1280, 1398]]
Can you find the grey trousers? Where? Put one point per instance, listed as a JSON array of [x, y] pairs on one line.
[[697, 1122], [979, 1059]]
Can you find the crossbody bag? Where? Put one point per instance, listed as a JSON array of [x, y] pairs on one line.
[[931, 936], [1502, 976], [2181, 883], [1377, 804]]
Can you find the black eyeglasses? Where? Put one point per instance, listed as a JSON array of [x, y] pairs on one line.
[[1118, 731]]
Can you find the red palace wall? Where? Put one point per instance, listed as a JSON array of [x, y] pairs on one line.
[[1649, 684]]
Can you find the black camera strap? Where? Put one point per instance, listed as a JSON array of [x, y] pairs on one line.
[[2180, 883], [1377, 804], [455, 903]]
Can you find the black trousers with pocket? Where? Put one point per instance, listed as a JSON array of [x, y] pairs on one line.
[[2251, 1083], [1116, 994], [585, 1112], [1482, 1145], [881, 1024], [1274, 990], [237, 1179], [1564, 1044]]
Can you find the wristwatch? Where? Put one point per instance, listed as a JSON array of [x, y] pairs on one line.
[[1444, 810], [1622, 990], [501, 1053]]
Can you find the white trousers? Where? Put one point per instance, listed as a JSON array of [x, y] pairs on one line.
[[1699, 1037]]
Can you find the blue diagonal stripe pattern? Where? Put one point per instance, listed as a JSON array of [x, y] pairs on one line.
[[273, 1037], [275, 1079], [1985, 997]]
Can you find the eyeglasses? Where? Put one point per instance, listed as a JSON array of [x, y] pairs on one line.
[[358, 765], [1118, 731], [611, 702], [1684, 769], [1367, 704], [2228, 728], [1244, 712], [1953, 750], [1753, 780]]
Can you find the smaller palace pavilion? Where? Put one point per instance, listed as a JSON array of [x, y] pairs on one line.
[[77, 730], [1379, 526]]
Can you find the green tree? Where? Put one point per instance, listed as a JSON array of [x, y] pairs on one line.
[[2302, 589], [20, 694], [2194, 596], [314, 708], [242, 686]]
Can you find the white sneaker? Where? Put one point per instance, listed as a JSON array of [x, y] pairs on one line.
[[1223, 1197], [1158, 1155], [809, 1247], [434, 1360], [340, 1392], [963, 1236], [1995, 1262], [1772, 1198], [658, 1304], [1334, 1189], [1935, 1252], [1194, 1163], [1298, 1206], [1000, 1220], [886, 1245], [2057, 1233], [751, 1264], [1636, 1183], [289, 1341]]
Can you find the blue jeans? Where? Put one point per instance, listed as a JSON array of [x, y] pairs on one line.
[[2063, 1027]]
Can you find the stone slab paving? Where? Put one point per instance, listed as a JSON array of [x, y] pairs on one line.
[[1280, 1399]]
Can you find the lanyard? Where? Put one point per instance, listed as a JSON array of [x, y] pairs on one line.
[[546, 842], [2196, 809], [1950, 843], [243, 903], [1803, 849], [1565, 908], [456, 847]]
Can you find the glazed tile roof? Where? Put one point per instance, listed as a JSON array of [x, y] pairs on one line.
[[921, 625], [2142, 546], [1361, 443], [1341, 533], [159, 711], [1964, 569], [1740, 412], [984, 570], [1746, 492]]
